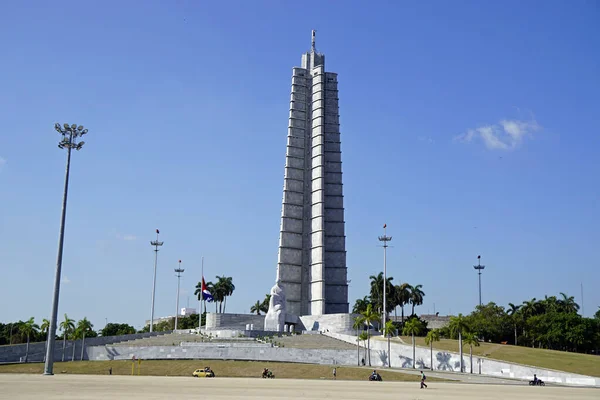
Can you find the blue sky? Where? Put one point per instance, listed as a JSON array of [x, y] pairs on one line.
[[468, 127]]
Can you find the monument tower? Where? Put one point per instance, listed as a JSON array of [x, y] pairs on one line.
[[311, 265]]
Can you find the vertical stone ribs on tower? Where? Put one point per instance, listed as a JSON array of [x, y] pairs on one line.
[[311, 264]]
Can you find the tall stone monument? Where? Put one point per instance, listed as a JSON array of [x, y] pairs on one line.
[[311, 266]]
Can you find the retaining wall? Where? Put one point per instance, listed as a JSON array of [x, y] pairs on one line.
[[37, 350], [317, 356], [402, 357]]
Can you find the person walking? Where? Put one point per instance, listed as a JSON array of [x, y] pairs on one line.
[[334, 373], [423, 377]]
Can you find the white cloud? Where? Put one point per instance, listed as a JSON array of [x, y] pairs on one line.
[[506, 135], [65, 280]]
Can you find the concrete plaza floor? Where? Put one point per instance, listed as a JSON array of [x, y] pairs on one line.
[[91, 387]]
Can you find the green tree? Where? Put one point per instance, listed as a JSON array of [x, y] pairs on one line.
[[360, 305], [458, 326], [568, 304], [597, 315], [490, 322], [364, 336], [116, 329], [256, 308], [432, 336], [368, 317], [358, 324], [515, 316], [28, 328], [412, 327], [227, 287], [67, 326], [376, 293], [471, 340], [264, 306], [84, 329], [389, 330], [402, 296], [44, 327], [416, 297]]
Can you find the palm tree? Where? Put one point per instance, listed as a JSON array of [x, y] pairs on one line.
[[212, 288], [471, 340], [568, 304], [44, 330], [416, 297], [256, 308], [44, 326], [377, 292], [364, 336], [513, 312], [389, 330], [357, 325], [458, 325], [67, 326], [360, 305], [228, 288], [530, 308], [413, 327], [264, 306], [27, 328], [432, 336], [220, 290], [402, 296], [84, 326], [368, 317]]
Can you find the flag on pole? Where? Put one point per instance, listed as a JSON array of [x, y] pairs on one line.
[[157, 231], [384, 226], [205, 292]]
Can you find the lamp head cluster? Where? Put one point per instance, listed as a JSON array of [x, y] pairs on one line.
[[70, 133]]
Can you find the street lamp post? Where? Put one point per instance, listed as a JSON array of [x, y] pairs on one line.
[[69, 141], [156, 245], [385, 239], [479, 267], [179, 272]]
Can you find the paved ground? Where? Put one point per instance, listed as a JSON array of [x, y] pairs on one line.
[[91, 387]]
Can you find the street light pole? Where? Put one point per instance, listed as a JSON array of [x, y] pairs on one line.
[[179, 272], [156, 245], [479, 267], [384, 239], [69, 141]]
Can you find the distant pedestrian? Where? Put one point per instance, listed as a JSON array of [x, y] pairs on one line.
[[334, 373], [423, 377]]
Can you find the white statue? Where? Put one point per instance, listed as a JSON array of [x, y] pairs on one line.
[[275, 318]]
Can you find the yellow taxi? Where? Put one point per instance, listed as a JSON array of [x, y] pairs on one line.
[[204, 373]]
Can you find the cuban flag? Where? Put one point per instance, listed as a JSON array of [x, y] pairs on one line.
[[205, 293]]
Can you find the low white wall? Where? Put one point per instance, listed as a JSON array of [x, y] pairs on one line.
[[239, 321], [402, 357], [329, 322], [72, 350], [317, 356]]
